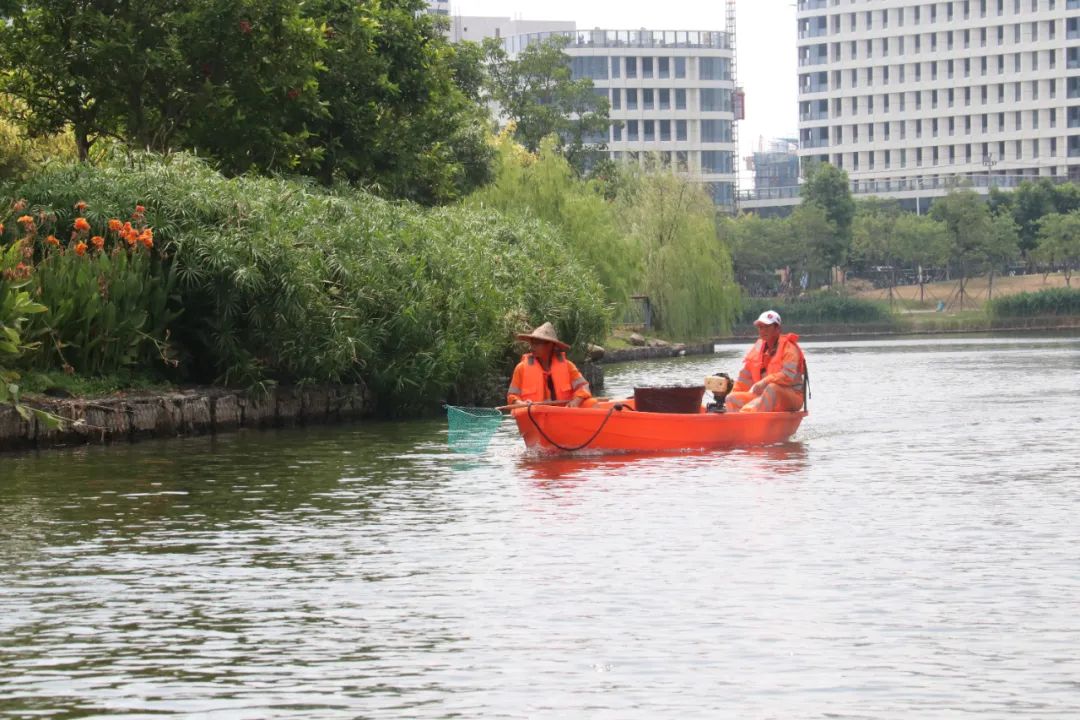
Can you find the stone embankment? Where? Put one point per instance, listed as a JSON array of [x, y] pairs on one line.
[[188, 412]]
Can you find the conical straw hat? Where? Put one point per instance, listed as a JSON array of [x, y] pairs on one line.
[[546, 333]]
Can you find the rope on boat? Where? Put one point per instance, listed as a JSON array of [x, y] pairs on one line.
[[582, 445]]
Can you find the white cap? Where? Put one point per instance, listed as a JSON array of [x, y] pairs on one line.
[[769, 317]]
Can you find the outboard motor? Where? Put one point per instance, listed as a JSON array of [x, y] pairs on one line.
[[719, 385]]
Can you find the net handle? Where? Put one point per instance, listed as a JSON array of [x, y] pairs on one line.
[[515, 406]]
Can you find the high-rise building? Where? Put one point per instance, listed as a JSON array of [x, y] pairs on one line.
[[439, 7], [913, 97], [672, 95]]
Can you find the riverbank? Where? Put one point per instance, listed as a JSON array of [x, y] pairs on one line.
[[937, 324], [133, 416], [201, 411]]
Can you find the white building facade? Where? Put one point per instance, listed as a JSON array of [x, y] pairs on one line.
[[911, 98], [672, 95], [439, 7]]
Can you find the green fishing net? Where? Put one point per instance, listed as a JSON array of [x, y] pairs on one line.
[[471, 428]]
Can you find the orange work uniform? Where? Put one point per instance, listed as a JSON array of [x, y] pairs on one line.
[[561, 381], [784, 371]]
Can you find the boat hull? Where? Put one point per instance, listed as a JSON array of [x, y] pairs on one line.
[[561, 429]]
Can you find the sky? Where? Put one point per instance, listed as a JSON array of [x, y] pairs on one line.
[[765, 40]]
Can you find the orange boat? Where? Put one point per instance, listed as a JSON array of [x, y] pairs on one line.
[[618, 426]]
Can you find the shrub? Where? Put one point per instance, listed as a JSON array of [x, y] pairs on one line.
[[821, 309], [1052, 301], [281, 281]]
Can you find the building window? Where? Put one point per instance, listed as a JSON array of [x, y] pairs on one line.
[[680, 130], [647, 99], [665, 98], [715, 100], [715, 131], [665, 131], [717, 161], [649, 130], [663, 68], [616, 67], [631, 99], [680, 67], [631, 67], [632, 130], [714, 68], [616, 132], [647, 67], [680, 99], [616, 99]]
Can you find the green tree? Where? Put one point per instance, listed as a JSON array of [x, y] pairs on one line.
[[922, 242], [828, 188], [536, 90], [758, 246], [1059, 242], [874, 237], [687, 270], [968, 223], [805, 246], [401, 111], [1001, 247], [543, 185], [234, 79]]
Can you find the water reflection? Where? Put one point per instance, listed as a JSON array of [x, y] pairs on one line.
[[569, 470]]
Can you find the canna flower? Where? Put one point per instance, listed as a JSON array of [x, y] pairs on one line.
[[97, 241], [147, 238], [19, 206], [82, 225], [114, 225], [52, 241], [80, 248], [140, 210], [80, 206], [1, 228], [25, 220]]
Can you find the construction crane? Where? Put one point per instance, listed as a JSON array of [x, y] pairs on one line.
[[737, 96]]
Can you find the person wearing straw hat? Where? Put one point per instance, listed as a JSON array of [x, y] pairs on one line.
[[545, 374], [773, 375]]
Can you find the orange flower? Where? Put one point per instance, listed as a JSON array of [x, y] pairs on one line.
[[80, 248], [139, 210], [1, 228], [52, 240], [114, 225], [80, 206], [25, 220], [98, 241], [81, 224], [147, 238]]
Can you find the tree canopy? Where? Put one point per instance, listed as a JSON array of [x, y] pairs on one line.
[[827, 187], [371, 93], [537, 92]]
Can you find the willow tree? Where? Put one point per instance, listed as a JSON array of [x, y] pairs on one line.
[[688, 272], [543, 185]]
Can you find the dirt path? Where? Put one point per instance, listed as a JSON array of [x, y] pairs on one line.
[[976, 290]]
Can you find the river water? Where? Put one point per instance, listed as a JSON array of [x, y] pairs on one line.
[[913, 552]]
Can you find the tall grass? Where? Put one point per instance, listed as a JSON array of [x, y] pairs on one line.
[[1052, 301], [281, 281]]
